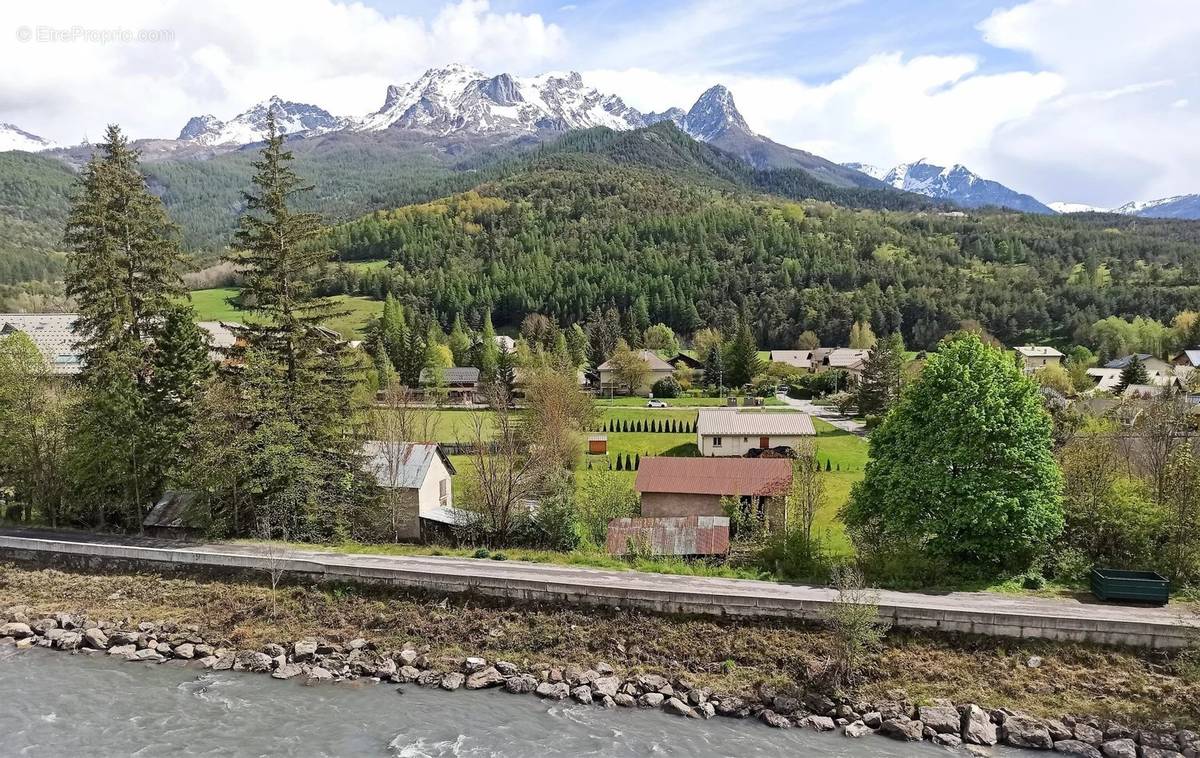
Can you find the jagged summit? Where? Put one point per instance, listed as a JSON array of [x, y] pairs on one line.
[[251, 125], [713, 114]]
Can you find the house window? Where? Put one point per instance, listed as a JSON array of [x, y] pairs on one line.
[[716, 442], [444, 493]]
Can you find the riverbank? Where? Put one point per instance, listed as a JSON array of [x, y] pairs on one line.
[[769, 670]]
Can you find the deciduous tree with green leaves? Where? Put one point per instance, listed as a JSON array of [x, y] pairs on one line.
[[962, 469]]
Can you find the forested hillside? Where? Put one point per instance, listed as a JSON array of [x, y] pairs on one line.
[[576, 232]]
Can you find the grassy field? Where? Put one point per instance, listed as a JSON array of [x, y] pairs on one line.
[[845, 454], [214, 305]]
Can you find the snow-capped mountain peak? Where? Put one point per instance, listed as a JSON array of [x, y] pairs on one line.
[[458, 98], [1175, 206], [13, 137], [251, 125], [955, 183], [713, 114]]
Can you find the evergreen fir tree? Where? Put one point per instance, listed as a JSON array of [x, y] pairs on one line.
[[460, 342], [742, 361], [300, 380], [879, 387], [181, 369], [489, 351], [1134, 373], [714, 368], [123, 272]]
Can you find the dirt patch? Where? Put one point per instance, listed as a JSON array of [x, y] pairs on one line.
[[734, 657]]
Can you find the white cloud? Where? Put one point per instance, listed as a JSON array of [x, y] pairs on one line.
[[1118, 131], [225, 55], [887, 110]]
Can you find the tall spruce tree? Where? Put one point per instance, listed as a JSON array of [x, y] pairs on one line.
[[123, 273], [489, 351], [714, 368], [742, 363], [300, 381], [879, 387], [1134, 373]]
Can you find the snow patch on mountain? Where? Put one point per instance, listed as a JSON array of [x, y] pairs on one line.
[[251, 125], [1176, 206], [875, 172], [1066, 207], [13, 137]]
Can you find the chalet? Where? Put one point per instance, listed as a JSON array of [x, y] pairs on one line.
[[1187, 359], [1034, 357], [802, 359], [688, 361], [505, 343], [659, 369], [1153, 365], [56, 338], [735, 432], [461, 385], [421, 473], [682, 487]]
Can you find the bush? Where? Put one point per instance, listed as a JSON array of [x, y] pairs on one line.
[[601, 499], [667, 387], [482, 552]]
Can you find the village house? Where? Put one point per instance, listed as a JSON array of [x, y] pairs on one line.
[[678, 487], [420, 472], [735, 432], [56, 339], [659, 369], [1153, 365], [802, 359], [460, 384], [1034, 357]]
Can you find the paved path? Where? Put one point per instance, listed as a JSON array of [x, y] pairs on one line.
[[826, 414], [974, 612]]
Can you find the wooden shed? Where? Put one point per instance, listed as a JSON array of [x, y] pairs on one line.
[[682, 536], [597, 444]]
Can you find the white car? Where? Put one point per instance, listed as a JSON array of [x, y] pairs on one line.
[[656, 404]]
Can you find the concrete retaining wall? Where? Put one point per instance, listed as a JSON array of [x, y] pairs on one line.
[[751, 600]]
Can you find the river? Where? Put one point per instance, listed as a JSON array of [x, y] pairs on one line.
[[55, 704]]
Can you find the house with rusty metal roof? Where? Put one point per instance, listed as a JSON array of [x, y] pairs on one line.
[[735, 432], [674, 487]]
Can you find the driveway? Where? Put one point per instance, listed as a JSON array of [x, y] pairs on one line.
[[826, 414]]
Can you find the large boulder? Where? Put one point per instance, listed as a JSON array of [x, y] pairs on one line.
[[771, 718], [1160, 740], [903, 729], [1159, 752], [288, 671], [1089, 734], [1121, 748], [453, 680], [553, 690], [677, 707], [977, 726], [856, 729], [1189, 743], [940, 718], [1076, 747], [186, 651], [606, 685], [521, 684], [651, 682], [304, 650], [817, 723], [733, 707], [473, 664], [488, 677], [582, 694], [651, 700], [1026, 731], [318, 675], [947, 739], [253, 660], [16, 629]]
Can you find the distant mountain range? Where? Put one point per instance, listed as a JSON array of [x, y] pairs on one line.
[[460, 110], [957, 183]]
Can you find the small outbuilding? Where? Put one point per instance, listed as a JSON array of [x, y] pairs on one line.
[[176, 515], [686, 536], [678, 487]]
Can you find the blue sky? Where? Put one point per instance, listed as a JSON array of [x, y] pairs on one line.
[[1094, 101]]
